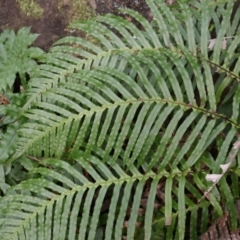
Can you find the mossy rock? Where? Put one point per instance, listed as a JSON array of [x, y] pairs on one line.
[[30, 8]]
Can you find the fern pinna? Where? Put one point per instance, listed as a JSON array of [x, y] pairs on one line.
[[125, 128]]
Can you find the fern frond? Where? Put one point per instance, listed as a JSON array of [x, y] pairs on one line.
[[8, 142], [135, 107], [76, 205]]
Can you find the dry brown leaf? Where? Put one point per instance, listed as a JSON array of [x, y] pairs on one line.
[[3, 100]]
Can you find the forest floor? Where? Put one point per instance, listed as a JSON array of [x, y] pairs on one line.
[[50, 18]]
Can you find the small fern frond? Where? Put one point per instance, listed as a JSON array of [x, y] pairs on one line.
[[9, 142]]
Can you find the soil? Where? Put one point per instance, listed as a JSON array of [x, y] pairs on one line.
[[50, 26], [57, 14]]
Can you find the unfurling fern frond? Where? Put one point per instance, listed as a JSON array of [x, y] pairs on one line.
[[145, 113]]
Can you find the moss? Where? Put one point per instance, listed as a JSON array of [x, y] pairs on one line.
[[77, 9], [81, 10], [30, 8]]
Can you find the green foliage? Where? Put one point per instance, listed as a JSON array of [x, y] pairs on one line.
[[132, 123], [16, 56]]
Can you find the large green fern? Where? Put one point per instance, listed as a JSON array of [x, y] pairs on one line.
[[126, 130]]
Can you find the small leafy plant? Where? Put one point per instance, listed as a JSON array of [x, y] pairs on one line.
[[17, 57]]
